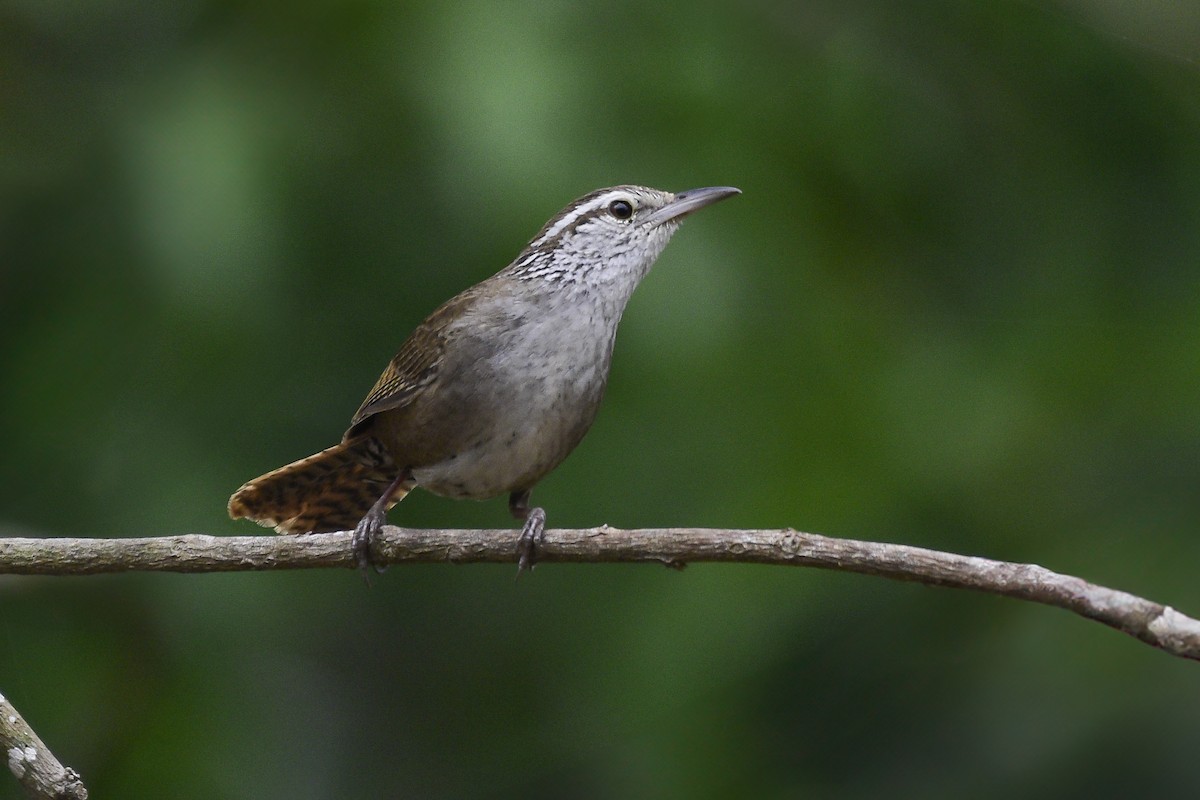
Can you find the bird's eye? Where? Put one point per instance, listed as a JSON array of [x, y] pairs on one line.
[[621, 209]]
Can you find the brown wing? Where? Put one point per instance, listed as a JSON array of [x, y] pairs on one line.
[[416, 365], [413, 368]]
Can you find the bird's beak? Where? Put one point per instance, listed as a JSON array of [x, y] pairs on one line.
[[691, 200]]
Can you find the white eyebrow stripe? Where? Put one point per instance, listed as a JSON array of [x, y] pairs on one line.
[[579, 211]]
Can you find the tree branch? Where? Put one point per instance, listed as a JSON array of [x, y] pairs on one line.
[[1153, 623], [35, 767]]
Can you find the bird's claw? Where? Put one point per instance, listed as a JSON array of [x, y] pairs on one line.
[[533, 533], [360, 544]]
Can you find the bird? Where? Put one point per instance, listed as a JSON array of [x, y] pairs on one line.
[[495, 388]]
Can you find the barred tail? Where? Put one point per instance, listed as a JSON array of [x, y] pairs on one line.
[[329, 491]]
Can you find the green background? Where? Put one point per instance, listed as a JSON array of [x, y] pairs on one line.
[[956, 306]]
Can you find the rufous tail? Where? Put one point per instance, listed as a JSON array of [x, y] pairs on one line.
[[329, 491]]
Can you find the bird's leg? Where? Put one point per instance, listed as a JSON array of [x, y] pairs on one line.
[[368, 527], [533, 532]]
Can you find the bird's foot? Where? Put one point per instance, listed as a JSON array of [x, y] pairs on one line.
[[533, 533], [360, 543]]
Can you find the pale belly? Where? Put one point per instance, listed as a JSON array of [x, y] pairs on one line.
[[515, 449], [520, 410]]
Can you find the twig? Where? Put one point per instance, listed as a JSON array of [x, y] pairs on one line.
[[1153, 623], [32, 763]]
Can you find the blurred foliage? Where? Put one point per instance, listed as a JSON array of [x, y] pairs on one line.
[[956, 307]]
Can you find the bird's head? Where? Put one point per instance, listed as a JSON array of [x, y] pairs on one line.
[[610, 236]]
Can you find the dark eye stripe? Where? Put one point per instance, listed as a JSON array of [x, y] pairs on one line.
[[565, 225]]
